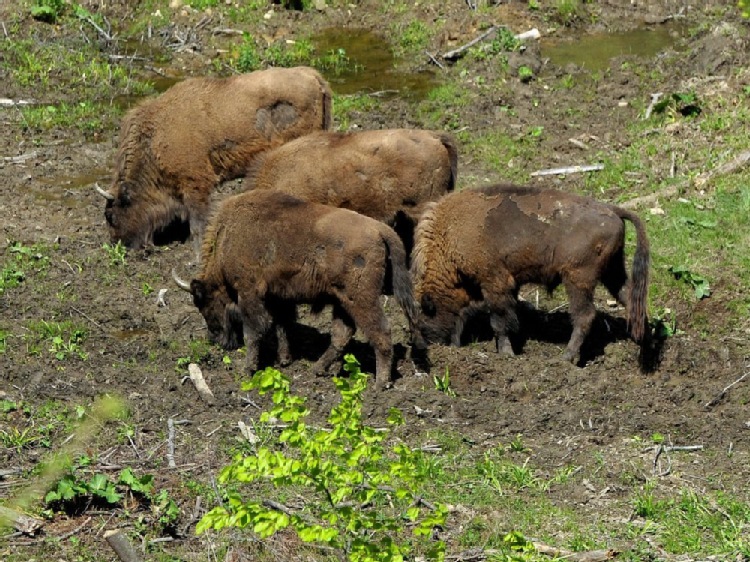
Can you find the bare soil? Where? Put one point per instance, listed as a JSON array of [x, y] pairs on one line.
[[567, 414]]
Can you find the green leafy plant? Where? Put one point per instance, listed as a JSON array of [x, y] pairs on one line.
[[200, 351], [700, 286], [525, 74], [116, 253], [64, 339], [685, 104], [23, 258], [664, 324], [47, 10], [74, 491], [443, 384], [360, 494]]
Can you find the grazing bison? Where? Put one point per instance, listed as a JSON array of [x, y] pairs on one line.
[[475, 248], [175, 149], [388, 175], [266, 251]]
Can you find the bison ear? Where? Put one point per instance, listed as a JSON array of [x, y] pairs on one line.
[[428, 305], [198, 288]]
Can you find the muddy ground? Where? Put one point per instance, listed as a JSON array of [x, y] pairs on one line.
[[567, 414]]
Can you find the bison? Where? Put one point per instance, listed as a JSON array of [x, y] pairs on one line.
[[388, 175], [475, 248], [264, 252], [176, 148]]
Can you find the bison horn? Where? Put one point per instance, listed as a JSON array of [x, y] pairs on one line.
[[106, 194], [181, 283]]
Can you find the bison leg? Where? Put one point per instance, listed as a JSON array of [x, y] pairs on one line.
[[342, 329], [582, 313], [500, 324], [256, 321], [369, 317]]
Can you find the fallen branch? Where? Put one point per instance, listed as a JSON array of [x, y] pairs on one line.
[[568, 170], [20, 522], [734, 164], [75, 531], [107, 35], [226, 31], [200, 384], [721, 395], [170, 443], [7, 102], [122, 547], [21, 158], [434, 60], [460, 51], [671, 190]]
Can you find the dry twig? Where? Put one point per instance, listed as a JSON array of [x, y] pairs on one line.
[[568, 170], [460, 51], [721, 395]]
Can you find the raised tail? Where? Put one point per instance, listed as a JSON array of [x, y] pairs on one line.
[[638, 298], [401, 282]]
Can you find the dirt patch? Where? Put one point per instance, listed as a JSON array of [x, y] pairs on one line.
[[567, 414]]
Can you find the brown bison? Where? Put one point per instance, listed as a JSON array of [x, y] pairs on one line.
[[475, 248], [388, 175], [176, 148], [265, 251]]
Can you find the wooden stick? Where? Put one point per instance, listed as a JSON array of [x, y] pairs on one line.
[[122, 547], [721, 395], [200, 384], [568, 170], [170, 443], [434, 60], [458, 53], [734, 164]]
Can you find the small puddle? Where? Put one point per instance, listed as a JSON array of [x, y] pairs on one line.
[[372, 65], [595, 51], [64, 189], [126, 335]]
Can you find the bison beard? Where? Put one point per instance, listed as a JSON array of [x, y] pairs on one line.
[[476, 248], [176, 148], [264, 252]]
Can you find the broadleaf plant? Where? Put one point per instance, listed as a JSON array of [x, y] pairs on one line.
[[361, 494]]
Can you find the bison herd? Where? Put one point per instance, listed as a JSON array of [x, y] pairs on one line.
[[332, 218]]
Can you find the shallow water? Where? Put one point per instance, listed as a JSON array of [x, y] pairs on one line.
[[595, 51]]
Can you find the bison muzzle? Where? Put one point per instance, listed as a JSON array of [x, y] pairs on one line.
[[474, 249], [264, 252]]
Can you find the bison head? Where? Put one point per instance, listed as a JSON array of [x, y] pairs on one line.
[[222, 315], [124, 217], [435, 325]]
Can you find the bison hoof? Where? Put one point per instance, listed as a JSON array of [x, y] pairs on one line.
[[568, 357]]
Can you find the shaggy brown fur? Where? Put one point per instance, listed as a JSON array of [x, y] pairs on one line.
[[266, 251], [475, 248], [176, 148], [388, 175]]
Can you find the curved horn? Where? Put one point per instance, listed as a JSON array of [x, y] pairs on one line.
[[106, 194], [181, 283]]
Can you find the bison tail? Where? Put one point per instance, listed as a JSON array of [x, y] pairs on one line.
[[638, 301], [401, 280], [450, 145], [327, 93]]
